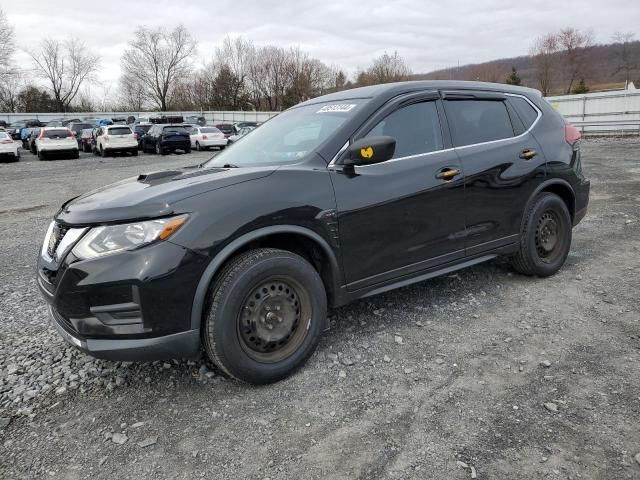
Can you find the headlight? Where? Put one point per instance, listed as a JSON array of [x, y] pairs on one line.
[[102, 241]]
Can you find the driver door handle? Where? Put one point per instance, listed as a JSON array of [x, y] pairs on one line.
[[528, 154], [448, 173]]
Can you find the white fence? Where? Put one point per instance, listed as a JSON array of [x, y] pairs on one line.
[[615, 112], [210, 116]]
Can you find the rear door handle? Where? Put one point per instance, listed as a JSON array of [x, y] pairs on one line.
[[448, 173], [528, 154]]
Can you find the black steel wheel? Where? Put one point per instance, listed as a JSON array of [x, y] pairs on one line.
[[267, 313], [545, 239]]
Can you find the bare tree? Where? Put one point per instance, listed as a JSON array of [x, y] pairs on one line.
[[10, 84], [544, 52], [132, 93], [65, 66], [574, 44], [7, 45], [233, 59], [159, 59], [624, 55], [385, 69]]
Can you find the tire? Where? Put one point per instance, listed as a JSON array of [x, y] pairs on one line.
[[134, 152], [160, 150], [198, 148], [75, 155], [222, 147], [103, 152], [291, 284], [545, 238], [41, 156], [188, 149]]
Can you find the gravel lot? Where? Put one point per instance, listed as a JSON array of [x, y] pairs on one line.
[[482, 373]]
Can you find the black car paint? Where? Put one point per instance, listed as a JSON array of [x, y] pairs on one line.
[[156, 137], [370, 228]]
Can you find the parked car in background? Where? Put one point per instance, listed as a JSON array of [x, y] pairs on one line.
[[8, 148], [77, 128], [139, 131], [92, 120], [85, 140], [227, 128], [167, 119], [57, 141], [61, 122], [204, 138], [241, 133], [16, 128], [239, 125], [119, 120], [195, 120], [31, 139], [162, 139], [24, 135], [112, 139]]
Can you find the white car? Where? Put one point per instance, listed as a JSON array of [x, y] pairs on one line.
[[8, 148], [115, 138], [56, 140], [241, 133], [203, 138]]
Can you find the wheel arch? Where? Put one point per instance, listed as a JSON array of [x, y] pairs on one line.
[[294, 238], [560, 187]]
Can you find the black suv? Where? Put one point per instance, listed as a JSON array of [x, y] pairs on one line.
[[341, 197], [163, 138]]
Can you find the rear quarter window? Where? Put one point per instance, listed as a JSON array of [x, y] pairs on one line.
[[478, 121], [525, 111]]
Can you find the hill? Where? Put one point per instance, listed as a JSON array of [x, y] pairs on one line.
[[600, 70]]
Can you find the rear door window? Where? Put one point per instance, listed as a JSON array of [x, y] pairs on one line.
[[525, 111], [416, 129], [478, 121]]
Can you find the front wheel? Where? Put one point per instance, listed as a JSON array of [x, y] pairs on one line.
[[545, 238], [198, 148], [268, 311]]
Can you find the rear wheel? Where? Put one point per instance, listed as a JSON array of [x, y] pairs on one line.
[[160, 150], [198, 148], [545, 238], [268, 310], [41, 155], [103, 152], [134, 152], [76, 154], [188, 149]]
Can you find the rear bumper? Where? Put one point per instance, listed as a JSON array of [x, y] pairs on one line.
[[581, 190], [178, 345]]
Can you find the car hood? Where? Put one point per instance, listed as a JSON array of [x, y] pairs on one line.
[[151, 195]]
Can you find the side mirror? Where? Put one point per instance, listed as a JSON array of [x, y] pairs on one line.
[[368, 151]]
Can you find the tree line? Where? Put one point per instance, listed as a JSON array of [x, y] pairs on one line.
[[159, 71]]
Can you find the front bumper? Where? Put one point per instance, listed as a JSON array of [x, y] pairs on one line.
[[178, 345], [133, 305]]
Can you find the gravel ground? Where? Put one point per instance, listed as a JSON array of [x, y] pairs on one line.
[[483, 373]]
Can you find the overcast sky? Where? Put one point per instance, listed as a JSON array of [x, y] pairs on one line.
[[428, 34]]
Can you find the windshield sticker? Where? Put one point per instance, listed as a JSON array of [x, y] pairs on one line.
[[338, 107]]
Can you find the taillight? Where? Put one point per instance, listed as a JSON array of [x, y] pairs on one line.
[[8, 140], [204, 137], [571, 134], [73, 134]]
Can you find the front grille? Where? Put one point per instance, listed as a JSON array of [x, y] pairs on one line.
[[57, 234]]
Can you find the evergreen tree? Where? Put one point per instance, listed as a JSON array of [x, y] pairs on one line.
[[581, 87], [514, 78]]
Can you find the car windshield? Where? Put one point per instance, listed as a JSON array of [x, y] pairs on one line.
[[144, 128], [86, 132], [289, 136], [57, 133], [210, 130], [120, 131]]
